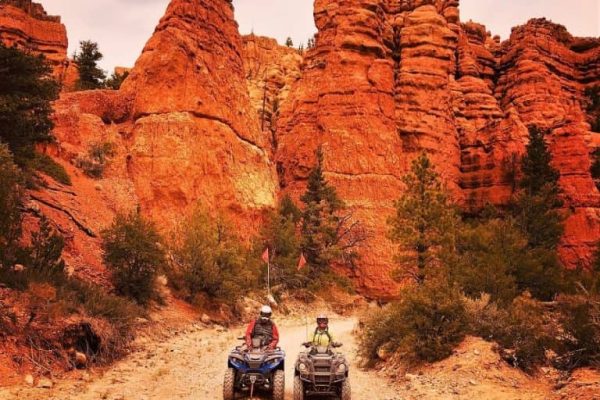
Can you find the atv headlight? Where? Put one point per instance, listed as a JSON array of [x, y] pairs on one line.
[[341, 369], [302, 367]]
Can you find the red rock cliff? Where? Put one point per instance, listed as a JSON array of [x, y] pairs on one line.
[[183, 123], [271, 71], [25, 24], [386, 80], [389, 79]]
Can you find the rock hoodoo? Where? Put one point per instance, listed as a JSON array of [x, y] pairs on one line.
[[389, 79]]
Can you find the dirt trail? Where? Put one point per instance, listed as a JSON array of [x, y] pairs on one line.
[[191, 366]]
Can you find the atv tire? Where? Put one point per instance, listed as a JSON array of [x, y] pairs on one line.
[[278, 385], [346, 393], [298, 388], [229, 385]]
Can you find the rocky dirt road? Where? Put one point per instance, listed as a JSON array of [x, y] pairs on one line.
[[191, 366]]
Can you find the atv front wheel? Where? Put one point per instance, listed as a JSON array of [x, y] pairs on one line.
[[278, 385], [346, 392], [229, 385], [298, 388]]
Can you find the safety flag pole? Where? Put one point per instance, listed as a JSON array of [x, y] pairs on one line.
[[266, 258]]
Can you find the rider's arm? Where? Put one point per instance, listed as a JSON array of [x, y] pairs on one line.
[[249, 333], [275, 337]]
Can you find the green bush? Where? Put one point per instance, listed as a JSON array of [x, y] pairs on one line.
[[494, 257], [488, 255], [523, 332], [580, 318], [94, 162], [425, 325], [42, 260], [210, 261], [94, 302], [44, 163], [133, 252]]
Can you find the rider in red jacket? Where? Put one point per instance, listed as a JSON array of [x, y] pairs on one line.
[[263, 326]]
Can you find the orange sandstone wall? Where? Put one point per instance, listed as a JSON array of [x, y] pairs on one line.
[[389, 79], [25, 24]]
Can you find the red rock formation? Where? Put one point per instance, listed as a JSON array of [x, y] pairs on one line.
[[271, 71], [543, 79], [195, 135], [25, 24], [183, 126], [388, 79]]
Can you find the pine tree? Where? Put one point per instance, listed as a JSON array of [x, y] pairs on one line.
[[536, 209], [538, 174], [289, 42], [425, 219], [26, 93], [90, 76], [11, 201], [281, 237], [328, 231], [536, 206], [116, 80]]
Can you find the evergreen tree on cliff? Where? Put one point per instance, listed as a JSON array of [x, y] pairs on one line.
[[425, 219], [26, 91], [328, 232], [536, 209], [11, 202], [90, 76], [537, 204], [116, 80]]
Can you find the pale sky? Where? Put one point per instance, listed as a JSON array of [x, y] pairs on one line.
[[122, 27]]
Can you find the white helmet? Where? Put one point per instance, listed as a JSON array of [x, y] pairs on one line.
[[265, 313]]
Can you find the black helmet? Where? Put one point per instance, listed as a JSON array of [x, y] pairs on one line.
[[322, 318]]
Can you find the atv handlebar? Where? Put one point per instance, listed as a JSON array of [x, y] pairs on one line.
[[334, 344]]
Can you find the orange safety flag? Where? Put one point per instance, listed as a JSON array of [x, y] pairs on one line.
[[301, 262], [265, 255]]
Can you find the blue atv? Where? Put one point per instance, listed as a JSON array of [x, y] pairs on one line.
[[255, 370]]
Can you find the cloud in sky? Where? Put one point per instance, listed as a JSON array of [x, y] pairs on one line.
[[122, 27]]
